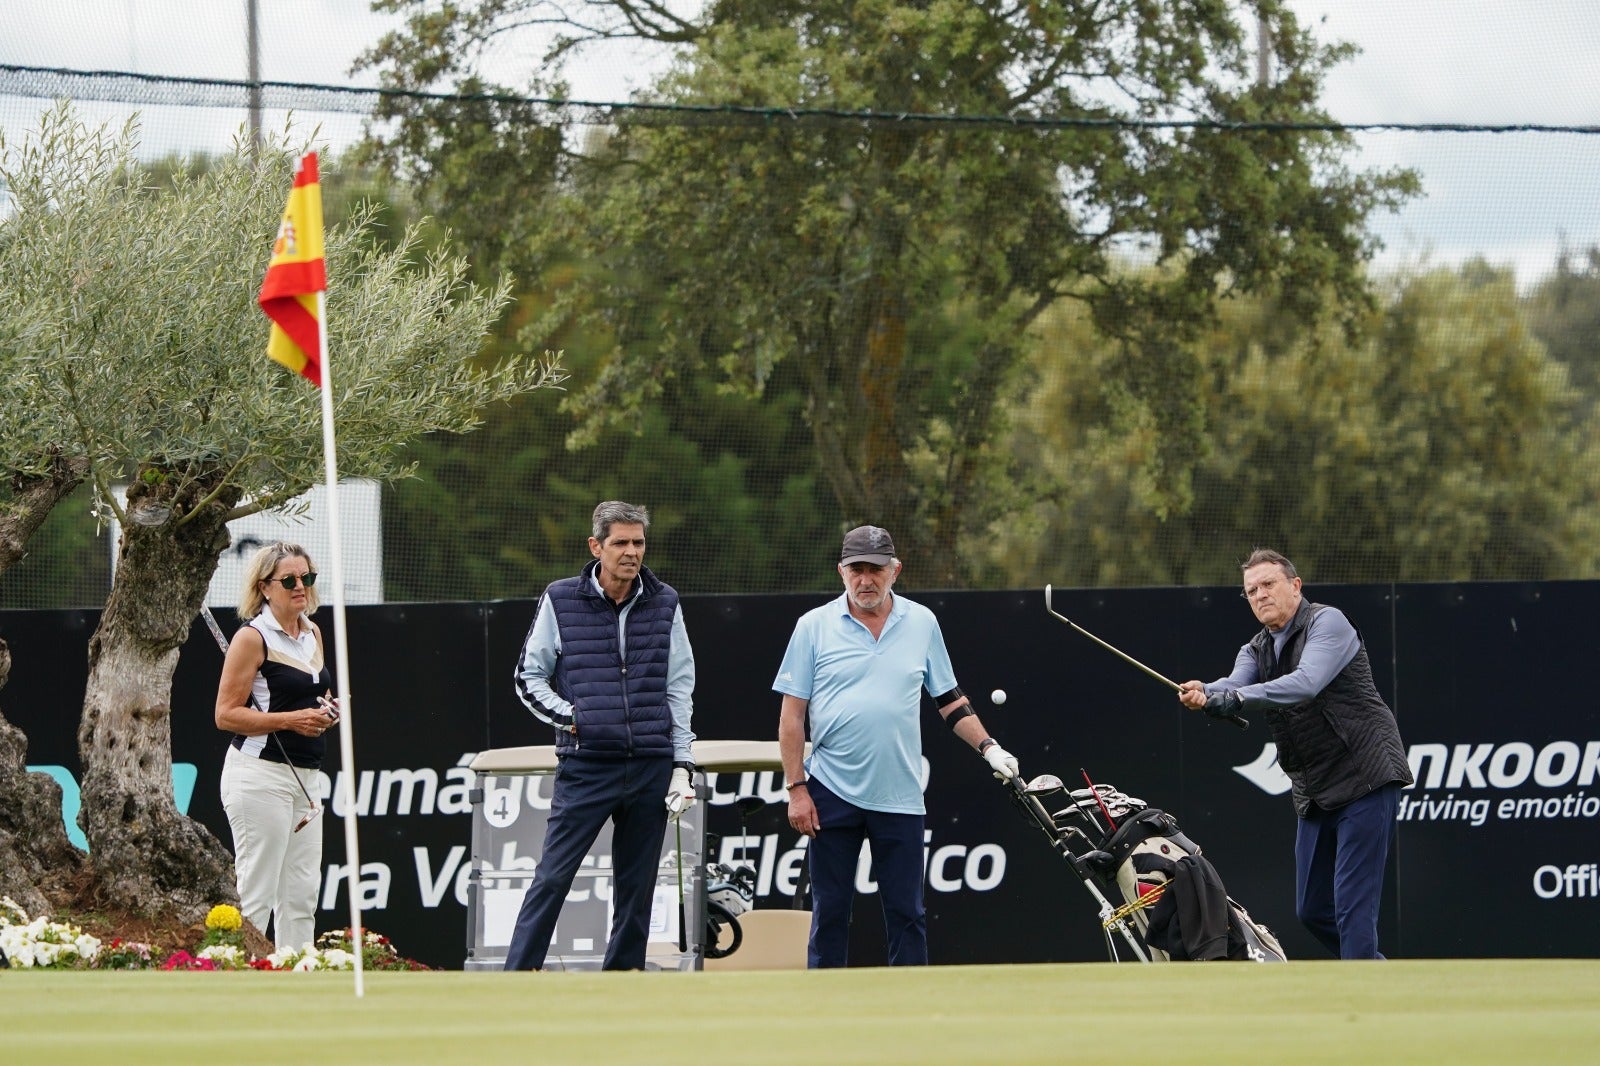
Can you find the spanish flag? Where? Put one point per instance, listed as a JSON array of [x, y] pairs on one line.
[[296, 275]]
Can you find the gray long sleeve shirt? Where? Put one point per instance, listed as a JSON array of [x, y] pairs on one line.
[[1331, 642]]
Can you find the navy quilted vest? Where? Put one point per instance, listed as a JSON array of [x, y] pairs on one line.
[[619, 706]]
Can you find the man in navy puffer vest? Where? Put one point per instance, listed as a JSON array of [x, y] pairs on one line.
[[608, 663]]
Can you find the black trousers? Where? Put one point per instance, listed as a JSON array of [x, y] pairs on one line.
[[631, 793]]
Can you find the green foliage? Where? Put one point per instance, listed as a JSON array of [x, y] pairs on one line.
[[898, 264], [1564, 312], [134, 339], [1439, 443], [377, 951], [504, 511], [68, 563]]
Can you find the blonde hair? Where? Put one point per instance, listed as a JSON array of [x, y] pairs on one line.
[[260, 569]]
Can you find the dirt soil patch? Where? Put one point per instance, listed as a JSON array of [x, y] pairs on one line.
[[164, 932]]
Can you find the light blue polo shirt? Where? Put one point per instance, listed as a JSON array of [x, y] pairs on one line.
[[865, 699]]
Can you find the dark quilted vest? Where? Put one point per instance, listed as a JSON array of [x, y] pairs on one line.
[[620, 707], [1342, 743]]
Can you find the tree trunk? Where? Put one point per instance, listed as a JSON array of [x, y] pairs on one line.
[[147, 856], [31, 501], [37, 860]]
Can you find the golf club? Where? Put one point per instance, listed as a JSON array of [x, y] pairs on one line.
[[1099, 800], [683, 918], [1110, 917], [1237, 720], [222, 642]]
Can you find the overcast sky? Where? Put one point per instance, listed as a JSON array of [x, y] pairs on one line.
[[1511, 197]]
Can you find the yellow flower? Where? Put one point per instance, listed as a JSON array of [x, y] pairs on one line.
[[223, 916]]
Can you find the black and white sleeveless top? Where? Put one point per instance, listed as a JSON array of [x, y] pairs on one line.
[[290, 678]]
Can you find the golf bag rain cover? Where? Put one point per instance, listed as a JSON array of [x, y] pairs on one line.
[[1192, 918]]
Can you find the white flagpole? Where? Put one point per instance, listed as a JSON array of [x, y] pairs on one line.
[[347, 761]]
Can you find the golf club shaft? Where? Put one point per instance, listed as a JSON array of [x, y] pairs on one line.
[[683, 917], [222, 642], [1095, 792], [1237, 720], [1167, 681]]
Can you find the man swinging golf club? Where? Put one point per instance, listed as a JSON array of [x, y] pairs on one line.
[[1307, 670]]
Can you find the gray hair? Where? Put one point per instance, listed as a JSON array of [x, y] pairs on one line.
[[615, 512], [1267, 555], [261, 567]]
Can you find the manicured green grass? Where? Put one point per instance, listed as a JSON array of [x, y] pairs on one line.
[[1434, 1012]]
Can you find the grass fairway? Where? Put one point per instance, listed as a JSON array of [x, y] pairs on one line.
[[1434, 1012]]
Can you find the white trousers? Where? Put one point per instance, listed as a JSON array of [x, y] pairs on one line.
[[278, 870]]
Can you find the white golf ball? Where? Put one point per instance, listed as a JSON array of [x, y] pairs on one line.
[[997, 697]]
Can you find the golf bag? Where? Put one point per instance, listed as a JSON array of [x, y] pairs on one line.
[[729, 892], [1170, 903]]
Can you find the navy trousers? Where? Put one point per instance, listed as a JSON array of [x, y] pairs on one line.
[[896, 841], [1339, 858], [632, 794]]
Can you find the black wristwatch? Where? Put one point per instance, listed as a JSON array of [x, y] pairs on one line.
[[689, 766]]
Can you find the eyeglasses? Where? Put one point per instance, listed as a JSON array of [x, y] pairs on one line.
[[292, 581]]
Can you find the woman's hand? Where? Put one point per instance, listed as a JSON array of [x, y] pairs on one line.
[[309, 722], [330, 706]]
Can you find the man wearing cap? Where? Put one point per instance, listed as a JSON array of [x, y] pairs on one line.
[[857, 666]]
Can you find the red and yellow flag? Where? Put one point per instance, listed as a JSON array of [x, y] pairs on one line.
[[296, 274]]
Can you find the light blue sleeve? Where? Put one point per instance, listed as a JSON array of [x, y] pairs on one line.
[[938, 675], [797, 672], [680, 688]]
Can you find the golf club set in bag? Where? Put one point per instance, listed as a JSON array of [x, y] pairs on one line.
[[1170, 903], [730, 890]]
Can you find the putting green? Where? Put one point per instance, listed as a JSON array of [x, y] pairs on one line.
[[1450, 1012]]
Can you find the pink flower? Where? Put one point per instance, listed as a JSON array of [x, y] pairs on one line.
[[182, 960]]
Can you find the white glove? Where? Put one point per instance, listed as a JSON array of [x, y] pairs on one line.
[[1001, 761], [680, 793]]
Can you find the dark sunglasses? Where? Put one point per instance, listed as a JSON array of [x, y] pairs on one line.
[[292, 581]]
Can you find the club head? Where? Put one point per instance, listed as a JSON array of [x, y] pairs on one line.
[[1044, 785], [1050, 608], [309, 817], [748, 805]]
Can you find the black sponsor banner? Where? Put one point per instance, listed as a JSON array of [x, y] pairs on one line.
[[1500, 828], [1499, 841]]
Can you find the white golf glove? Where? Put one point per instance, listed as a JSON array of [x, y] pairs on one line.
[[1001, 761], [680, 793]]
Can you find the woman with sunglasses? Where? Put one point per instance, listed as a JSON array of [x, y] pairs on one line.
[[275, 698]]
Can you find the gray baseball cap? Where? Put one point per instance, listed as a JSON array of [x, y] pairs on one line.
[[867, 544]]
